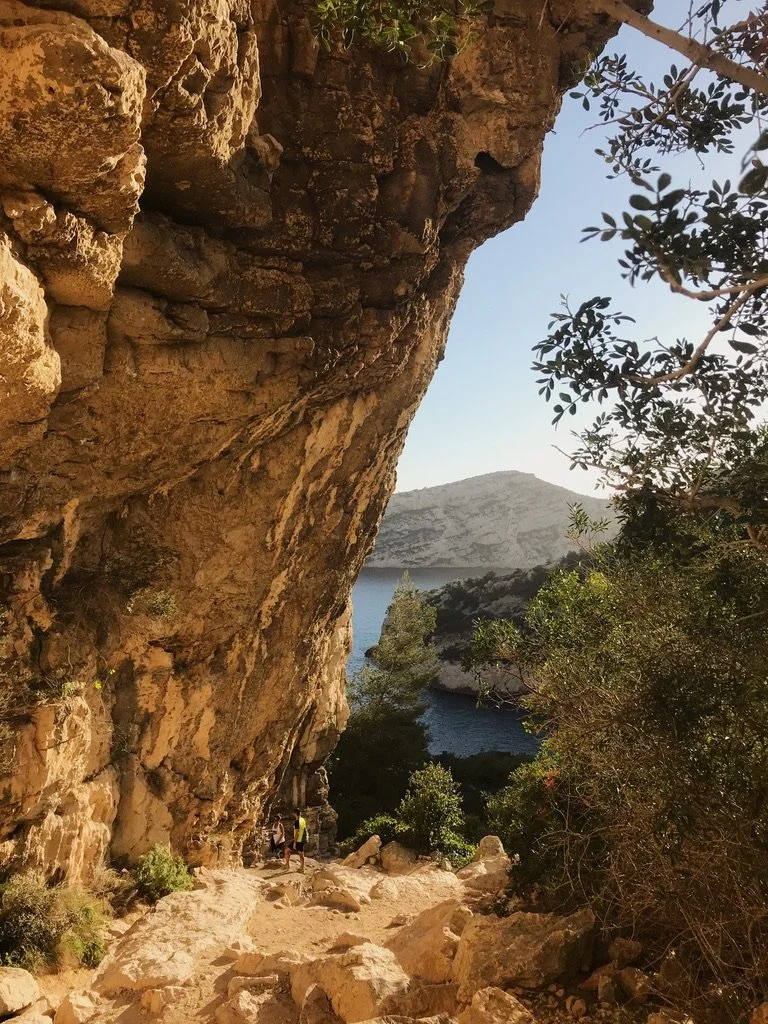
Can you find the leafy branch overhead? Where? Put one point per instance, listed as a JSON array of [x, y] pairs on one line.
[[681, 415]]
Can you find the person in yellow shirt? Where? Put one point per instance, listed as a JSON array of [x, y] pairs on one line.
[[299, 838]]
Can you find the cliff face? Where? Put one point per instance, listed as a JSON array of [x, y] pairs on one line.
[[227, 267], [498, 520]]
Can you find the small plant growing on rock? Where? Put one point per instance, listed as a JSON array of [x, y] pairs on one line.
[[158, 604], [42, 924], [159, 873]]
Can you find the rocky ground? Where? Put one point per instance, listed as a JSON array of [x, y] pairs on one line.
[[381, 936]]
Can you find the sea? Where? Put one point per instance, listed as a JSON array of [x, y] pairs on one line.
[[457, 725]]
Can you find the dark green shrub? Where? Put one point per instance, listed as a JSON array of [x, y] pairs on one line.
[[40, 924], [479, 776], [431, 809], [648, 801], [457, 849], [384, 826], [159, 873]]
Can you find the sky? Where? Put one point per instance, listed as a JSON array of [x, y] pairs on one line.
[[482, 412]]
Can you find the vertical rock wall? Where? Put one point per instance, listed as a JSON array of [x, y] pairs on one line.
[[227, 267]]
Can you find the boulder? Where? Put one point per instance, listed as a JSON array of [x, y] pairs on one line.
[[316, 1008], [495, 1006], [370, 848], [624, 952], [634, 983], [607, 988], [209, 919], [592, 983], [76, 1008], [488, 848], [397, 859], [426, 999], [155, 1000], [488, 875], [243, 1008], [290, 892], [339, 899], [40, 1010], [238, 947], [427, 882], [118, 928], [576, 1007], [525, 950], [426, 947], [156, 967], [18, 989], [361, 984], [284, 963]]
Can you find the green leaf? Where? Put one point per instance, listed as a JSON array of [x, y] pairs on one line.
[[640, 202]]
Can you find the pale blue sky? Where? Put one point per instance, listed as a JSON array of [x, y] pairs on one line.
[[482, 412]]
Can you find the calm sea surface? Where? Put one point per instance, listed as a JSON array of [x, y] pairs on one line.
[[455, 722]]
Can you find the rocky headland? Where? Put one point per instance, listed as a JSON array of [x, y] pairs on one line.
[[493, 596], [228, 261]]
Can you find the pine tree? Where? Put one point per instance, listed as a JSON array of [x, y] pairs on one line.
[[385, 739]]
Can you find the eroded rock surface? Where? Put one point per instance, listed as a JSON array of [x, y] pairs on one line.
[[228, 262]]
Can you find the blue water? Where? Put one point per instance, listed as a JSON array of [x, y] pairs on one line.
[[456, 724]]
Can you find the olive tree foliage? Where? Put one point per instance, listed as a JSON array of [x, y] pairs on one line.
[[680, 418]]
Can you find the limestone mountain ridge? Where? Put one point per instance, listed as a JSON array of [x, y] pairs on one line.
[[504, 520]]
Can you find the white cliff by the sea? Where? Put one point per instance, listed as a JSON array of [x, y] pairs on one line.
[[499, 520]]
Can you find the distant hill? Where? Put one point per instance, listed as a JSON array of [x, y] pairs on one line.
[[499, 520]]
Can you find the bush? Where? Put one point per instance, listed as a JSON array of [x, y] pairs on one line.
[[384, 826], [649, 801], [480, 776], [431, 809], [457, 849], [40, 924], [117, 890], [159, 873], [524, 814]]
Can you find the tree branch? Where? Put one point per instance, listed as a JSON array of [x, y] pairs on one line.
[[692, 50], [693, 362]]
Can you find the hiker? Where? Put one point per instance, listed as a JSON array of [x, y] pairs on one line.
[[297, 846], [277, 839]]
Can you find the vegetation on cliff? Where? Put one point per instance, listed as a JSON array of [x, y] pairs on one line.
[[42, 925]]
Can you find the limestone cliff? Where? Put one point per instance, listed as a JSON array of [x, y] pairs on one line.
[[499, 521], [227, 266]]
